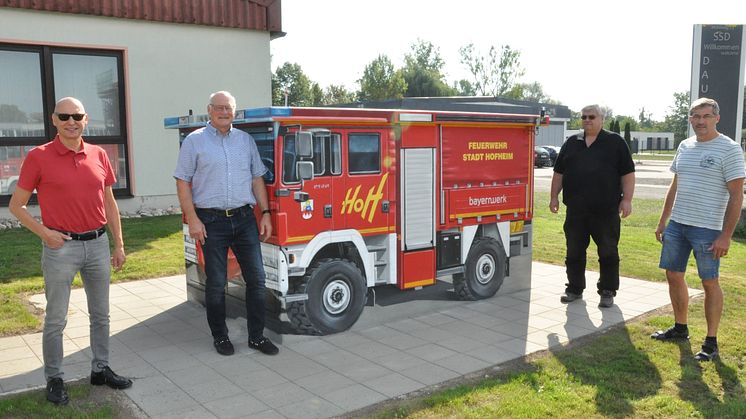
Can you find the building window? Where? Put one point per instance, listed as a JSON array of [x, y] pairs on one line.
[[34, 78]]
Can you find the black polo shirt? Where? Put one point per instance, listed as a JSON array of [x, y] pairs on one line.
[[591, 176]]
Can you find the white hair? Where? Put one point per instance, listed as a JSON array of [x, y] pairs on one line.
[[231, 99]]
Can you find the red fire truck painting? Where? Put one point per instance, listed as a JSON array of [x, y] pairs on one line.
[[364, 198]]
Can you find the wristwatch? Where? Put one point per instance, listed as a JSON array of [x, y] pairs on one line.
[[266, 212]]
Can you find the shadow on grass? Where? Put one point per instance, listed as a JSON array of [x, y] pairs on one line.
[[693, 388], [611, 364]]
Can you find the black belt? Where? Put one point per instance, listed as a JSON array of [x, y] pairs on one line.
[[244, 210], [88, 235]]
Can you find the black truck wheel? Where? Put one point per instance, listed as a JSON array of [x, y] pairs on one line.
[[485, 270], [336, 298]]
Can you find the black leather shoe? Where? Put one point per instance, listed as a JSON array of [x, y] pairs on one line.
[[607, 299], [110, 378], [56, 392], [569, 297], [264, 346], [671, 334], [223, 346]]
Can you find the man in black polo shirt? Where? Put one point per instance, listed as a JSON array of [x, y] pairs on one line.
[[596, 173]]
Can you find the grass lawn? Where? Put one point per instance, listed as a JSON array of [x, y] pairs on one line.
[[620, 373], [154, 248]]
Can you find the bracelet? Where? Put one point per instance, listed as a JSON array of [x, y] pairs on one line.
[[266, 212]]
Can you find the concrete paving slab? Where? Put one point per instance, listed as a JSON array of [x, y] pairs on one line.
[[163, 342]]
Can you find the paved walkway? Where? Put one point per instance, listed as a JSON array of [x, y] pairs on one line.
[[162, 341]]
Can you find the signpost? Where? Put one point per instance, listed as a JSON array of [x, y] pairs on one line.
[[718, 73]]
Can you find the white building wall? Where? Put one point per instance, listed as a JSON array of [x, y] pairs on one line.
[[169, 69], [641, 137], [552, 134], [666, 140]]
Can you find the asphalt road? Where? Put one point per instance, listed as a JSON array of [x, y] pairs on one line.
[[651, 179]]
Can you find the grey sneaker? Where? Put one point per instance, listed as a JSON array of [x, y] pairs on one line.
[[607, 299], [569, 297]]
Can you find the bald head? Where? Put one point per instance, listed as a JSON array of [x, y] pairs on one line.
[[66, 103]]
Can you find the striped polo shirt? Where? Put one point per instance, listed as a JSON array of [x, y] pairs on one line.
[[702, 170]]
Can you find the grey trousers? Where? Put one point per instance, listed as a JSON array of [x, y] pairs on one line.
[[92, 259]]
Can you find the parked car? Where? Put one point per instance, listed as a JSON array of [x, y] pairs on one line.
[[541, 157], [553, 151]]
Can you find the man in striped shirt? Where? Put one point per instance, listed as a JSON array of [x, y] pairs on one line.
[[704, 204]]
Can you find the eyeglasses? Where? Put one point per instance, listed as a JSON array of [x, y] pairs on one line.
[[591, 117], [222, 108], [705, 117], [65, 116]]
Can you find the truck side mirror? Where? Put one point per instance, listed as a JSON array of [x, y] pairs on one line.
[[304, 144], [304, 170]]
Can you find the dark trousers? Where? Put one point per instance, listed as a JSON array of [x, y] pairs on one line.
[[240, 234], [603, 227]]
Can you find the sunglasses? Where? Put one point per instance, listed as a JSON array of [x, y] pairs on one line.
[[66, 116], [591, 117]]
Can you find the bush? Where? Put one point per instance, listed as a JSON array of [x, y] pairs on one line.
[[740, 231]]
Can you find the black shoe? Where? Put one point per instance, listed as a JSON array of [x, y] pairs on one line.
[[223, 346], [569, 297], [56, 392], [671, 334], [110, 378], [607, 299], [708, 353], [264, 346]]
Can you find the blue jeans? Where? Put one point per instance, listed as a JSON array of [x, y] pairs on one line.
[[679, 240], [604, 228], [240, 234], [92, 259]]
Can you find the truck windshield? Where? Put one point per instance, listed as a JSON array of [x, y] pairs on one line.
[[265, 142]]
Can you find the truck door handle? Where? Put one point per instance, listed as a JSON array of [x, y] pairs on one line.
[[385, 206], [327, 211]]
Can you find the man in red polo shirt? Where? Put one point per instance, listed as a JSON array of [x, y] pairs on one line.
[[73, 182]]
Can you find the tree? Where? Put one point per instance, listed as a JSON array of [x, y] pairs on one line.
[[423, 72], [464, 87], [646, 121], [677, 118], [337, 94], [317, 95], [624, 120], [494, 74], [627, 135], [291, 79], [531, 92], [11, 113], [380, 81]]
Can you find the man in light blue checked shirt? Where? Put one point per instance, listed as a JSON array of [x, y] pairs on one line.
[[219, 181]]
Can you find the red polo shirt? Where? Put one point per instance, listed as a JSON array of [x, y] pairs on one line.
[[69, 185]]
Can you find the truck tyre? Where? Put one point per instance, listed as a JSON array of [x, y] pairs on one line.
[[485, 270], [336, 298]]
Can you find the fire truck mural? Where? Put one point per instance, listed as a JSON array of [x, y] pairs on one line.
[[364, 198]]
